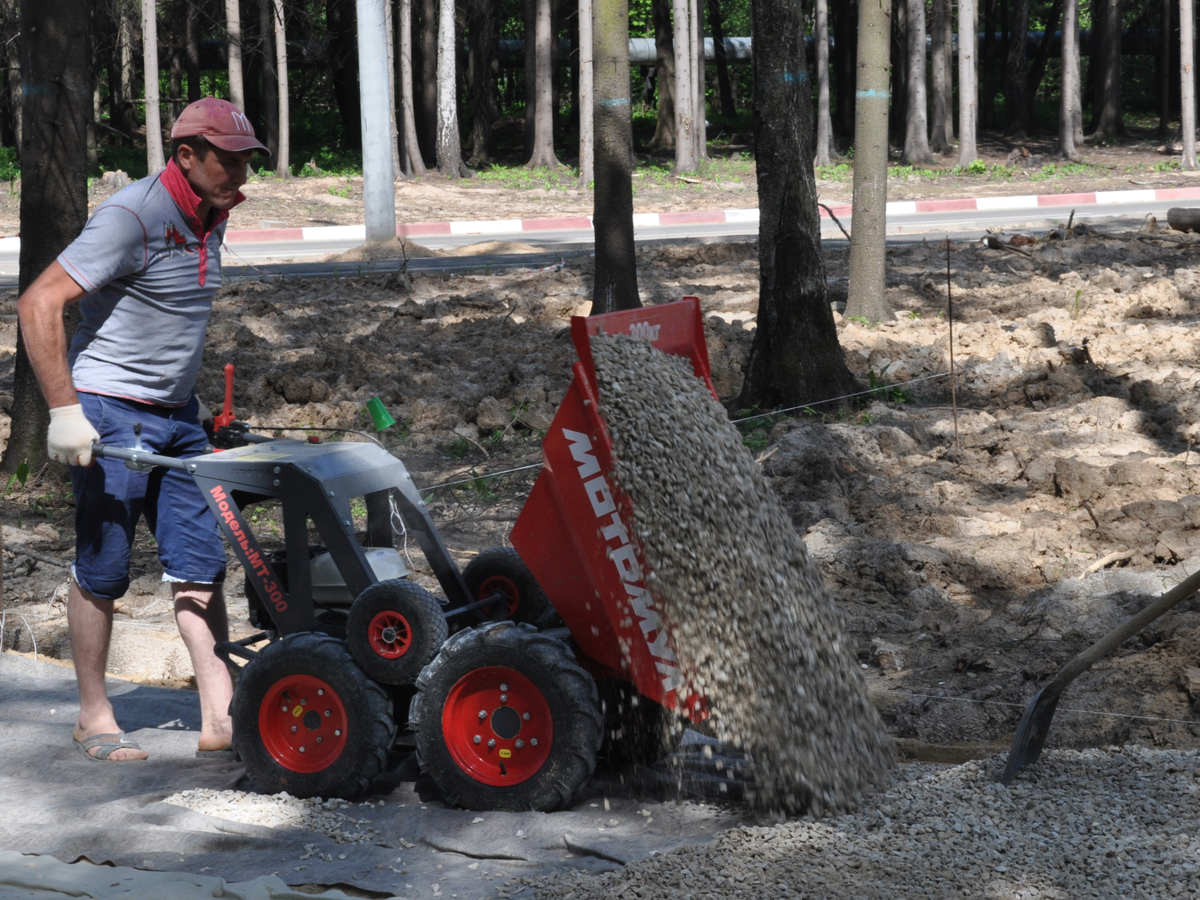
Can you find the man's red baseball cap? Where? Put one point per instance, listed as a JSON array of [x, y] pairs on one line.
[[220, 123]]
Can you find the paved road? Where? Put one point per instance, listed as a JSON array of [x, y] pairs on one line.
[[305, 257]]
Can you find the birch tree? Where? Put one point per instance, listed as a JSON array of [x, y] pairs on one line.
[[587, 131], [968, 85], [916, 122], [282, 161], [233, 37], [154, 139], [824, 123], [449, 145], [1187, 74], [867, 248], [699, 107]]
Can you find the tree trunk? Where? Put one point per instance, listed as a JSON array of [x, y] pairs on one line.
[[898, 112], [12, 58], [427, 120], [1038, 70], [699, 104], [154, 141], [416, 165], [824, 124], [1069, 96], [587, 95], [916, 130], [192, 51], [987, 98], [941, 138], [845, 56], [685, 95], [266, 31], [485, 53], [56, 71], [542, 148], [282, 159], [529, 14], [967, 85], [867, 248], [343, 63], [449, 146], [389, 27], [664, 78], [724, 89], [1109, 123], [375, 101], [175, 85], [795, 358], [615, 284], [1164, 70], [1187, 81], [1017, 108], [126, 27], [233, 35]]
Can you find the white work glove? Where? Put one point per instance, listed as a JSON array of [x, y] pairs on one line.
[[71, 435]]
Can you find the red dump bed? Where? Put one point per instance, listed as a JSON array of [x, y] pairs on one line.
[[574, 531]]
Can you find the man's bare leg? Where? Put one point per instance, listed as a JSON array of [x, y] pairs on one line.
[[200, 614], [90, 621]]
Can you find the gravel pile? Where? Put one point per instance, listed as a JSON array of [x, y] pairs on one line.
[[749, 613], [1079, 824], [282, 811]]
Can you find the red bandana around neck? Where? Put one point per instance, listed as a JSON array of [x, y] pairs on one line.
[[185, 198]]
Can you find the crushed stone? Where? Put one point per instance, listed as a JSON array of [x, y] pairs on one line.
[[1080, 824], [281, 811], [749, 613]]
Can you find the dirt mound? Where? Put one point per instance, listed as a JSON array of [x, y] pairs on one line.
[[396, 248], [487, 248]]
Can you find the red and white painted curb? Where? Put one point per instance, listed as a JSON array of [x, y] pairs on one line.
[[713, 217]]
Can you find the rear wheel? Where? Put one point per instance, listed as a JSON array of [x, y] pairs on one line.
[[501, 570], [394, 628], [307, 720], [505, 719]]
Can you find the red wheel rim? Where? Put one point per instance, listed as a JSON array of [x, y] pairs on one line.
[[302, 723], [504, 585], [511, 741], [389, 634]]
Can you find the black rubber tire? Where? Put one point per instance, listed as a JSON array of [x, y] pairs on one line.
[[567, 690], [420, 610], [503, 568], [637, 730], [370, 726]]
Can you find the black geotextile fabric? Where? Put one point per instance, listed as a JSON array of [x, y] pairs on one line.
[[54, 802]]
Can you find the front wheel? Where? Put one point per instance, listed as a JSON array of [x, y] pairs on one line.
[[394, 628], [307, 720], [505, 719]]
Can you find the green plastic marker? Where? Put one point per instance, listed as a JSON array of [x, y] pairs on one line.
[[380, 416]]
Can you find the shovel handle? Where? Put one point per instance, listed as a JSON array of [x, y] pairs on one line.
[[1122, 633]]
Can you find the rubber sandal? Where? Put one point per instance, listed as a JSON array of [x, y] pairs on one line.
[[223, 753], [105, 744]]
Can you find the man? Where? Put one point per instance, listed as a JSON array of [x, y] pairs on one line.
[[144, 270]]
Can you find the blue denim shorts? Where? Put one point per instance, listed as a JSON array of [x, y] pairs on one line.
[[110, 498]]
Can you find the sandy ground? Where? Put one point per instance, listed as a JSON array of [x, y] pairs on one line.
[[729, 183]]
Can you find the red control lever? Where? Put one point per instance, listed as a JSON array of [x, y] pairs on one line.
[[225, 418]]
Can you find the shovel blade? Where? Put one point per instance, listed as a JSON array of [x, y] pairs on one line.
[[1032, 732]]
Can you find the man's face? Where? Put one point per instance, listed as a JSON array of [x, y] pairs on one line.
[[217, 177]]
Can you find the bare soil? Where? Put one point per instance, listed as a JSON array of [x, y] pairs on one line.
[[973, 547]]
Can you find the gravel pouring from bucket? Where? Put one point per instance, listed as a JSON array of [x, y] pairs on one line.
[[1034, 727]]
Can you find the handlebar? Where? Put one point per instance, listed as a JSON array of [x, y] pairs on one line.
[[140, 457]]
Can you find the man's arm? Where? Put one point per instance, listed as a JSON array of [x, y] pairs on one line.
[[40, 310]]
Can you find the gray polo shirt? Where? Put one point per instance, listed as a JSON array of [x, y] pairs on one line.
[[151, 276]]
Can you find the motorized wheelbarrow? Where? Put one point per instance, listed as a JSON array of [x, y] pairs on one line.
[[537, 658]]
